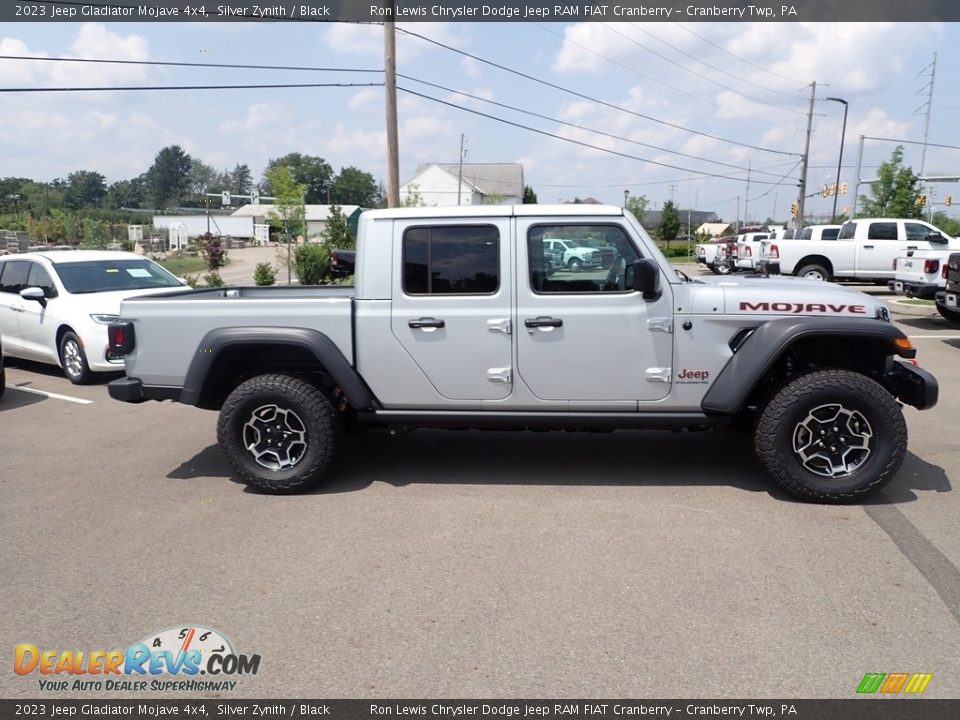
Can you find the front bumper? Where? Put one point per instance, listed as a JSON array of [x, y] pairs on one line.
[[924, 291], [913, 385]]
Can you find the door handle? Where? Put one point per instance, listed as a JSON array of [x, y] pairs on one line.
[[868, 247], [912, 247], [543, 322], [427, 322]]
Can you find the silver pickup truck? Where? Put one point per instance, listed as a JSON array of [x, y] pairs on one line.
[[459, 320]]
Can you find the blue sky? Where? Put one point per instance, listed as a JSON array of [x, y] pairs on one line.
[[744, 83]]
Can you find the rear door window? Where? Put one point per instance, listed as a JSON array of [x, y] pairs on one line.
[[882, 231]]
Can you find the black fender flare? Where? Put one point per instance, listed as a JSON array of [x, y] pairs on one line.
[[328, 355], [756, 355]]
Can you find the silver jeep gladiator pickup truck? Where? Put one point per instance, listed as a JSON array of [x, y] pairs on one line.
[[459, 320]]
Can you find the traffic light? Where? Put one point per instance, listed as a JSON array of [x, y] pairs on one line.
[[843, 188], [948, 200], [794, 208], [921, 200]]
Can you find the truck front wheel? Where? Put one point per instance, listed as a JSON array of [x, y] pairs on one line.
[[831, 436], [948, 314], [279, 433]]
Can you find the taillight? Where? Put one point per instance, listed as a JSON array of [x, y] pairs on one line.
[[894, 263], [945, 272], [120, 337], [747, 251], [931, 266], [774, 252]]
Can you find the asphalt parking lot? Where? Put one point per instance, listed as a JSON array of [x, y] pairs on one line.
[[472, 564]]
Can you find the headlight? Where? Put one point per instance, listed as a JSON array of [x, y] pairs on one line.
[[104, 319]]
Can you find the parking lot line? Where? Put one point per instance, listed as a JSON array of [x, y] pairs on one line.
[[55, 396]]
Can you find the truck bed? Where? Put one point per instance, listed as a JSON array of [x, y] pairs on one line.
[[178, 322]]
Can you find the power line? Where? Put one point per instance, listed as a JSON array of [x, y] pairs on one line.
[[737, 57], [583, 96], [703, 77], [190, 64], [116, 88], [574, 125], [571, 140]]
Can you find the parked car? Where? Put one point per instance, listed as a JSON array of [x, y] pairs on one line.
[[3, 372], [948, 299], [55, 306], [720, 254], [342, 262], [575, 255]]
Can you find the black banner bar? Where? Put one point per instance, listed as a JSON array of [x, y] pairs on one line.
[[873, 708], [366, 11]]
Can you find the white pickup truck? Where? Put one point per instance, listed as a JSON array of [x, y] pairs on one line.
[[865, 249], [920, 273], [748, 249], [454, 322]]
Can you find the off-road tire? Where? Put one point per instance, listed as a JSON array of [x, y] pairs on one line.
[[574, 265], [814, 270], [948, 314], [784, 419], [298, 403], [73, 359]]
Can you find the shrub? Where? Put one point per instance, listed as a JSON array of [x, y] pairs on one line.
[[213, 279], [213, 252], [311, 262], [264, 274]]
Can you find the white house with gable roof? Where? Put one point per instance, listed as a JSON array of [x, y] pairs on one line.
[[441, 184]]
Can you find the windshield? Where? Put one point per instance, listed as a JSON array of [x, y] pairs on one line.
[[109, 275]]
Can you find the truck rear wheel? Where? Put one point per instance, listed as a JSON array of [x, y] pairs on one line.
[[948, 314], [279, 433], [831, 436], [814, 272]]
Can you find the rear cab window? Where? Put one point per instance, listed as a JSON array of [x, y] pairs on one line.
[[451, 260]]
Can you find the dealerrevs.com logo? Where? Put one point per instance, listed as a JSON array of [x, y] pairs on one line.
[[186, 658]]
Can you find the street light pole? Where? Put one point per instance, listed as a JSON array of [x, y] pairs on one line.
[[843, 134], [626, 194]]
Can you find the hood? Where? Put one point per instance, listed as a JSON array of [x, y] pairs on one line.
[[785, 295]]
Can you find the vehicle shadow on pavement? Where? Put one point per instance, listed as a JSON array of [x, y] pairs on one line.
[[622, 458], [209, 462], [933, 322], [915, 475], [12, 399]]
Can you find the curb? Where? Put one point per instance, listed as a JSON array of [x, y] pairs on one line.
[[900, 307]]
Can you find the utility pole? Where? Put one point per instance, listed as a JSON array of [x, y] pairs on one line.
[[460, 172], [806, 156], [926, 127], [856, 179], [746, 199], [390, 87]]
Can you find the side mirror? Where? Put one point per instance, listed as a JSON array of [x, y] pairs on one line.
[[936, 238], [34, 293], [644, 277]]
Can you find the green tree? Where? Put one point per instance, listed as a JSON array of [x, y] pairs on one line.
[[669, 225], [314, 173], [638, 205], [169, 177], [337, 232], [85, 189], [95, 234], [529, 196], [951, 226], [201, 179], [264, 274], [241, 179], [127, 193], [895, 192], [354, 187], [288, 212]]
